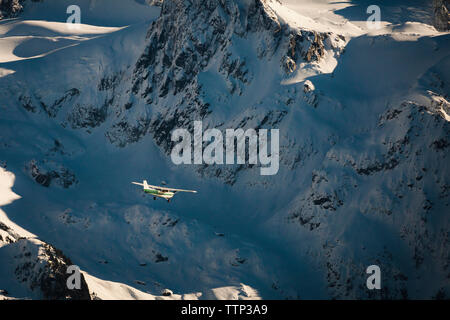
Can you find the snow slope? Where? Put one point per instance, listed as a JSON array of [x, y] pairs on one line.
[[364, 133], [21, 282]]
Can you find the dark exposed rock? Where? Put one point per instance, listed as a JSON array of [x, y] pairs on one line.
[[43, 267], [440, 144], [442, 15], [123, 133], [377, 167], [53, 282], [160, 258], [33, 103], [10, 8], [309, 46], [27, 103], [88, 116], [166, 292], [176, 55], [109, 82], [61, 176], [3, 227]]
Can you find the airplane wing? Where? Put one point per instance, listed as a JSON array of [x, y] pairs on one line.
[[171, 189], [163, 188]]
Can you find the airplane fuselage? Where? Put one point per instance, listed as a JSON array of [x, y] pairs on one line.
[[162, 194]]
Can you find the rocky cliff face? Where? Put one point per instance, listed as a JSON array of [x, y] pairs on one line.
[[229, 41], [442, 15], [38, 267], [194, 44], [10, 8]]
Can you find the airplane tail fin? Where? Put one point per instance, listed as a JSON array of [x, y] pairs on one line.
[[144, 184]]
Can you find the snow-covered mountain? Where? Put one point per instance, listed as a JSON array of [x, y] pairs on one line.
[[364, 128]]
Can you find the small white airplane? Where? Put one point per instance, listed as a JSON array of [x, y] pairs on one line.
[[161, 192]]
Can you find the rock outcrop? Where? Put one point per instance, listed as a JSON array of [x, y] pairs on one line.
[[10, 8], [442, 15]]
